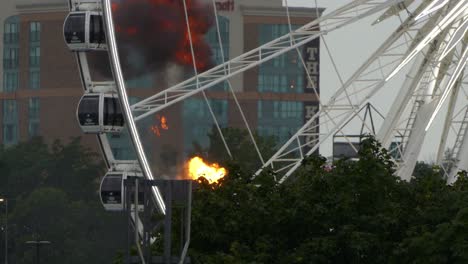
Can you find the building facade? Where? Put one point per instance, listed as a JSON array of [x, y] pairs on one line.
[[41, 87]]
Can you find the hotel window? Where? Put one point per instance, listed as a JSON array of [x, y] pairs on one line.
[[34, 32], [10, 81], [214, 41], [33, 114], [10, 58], [10, 55], [11, 30], [283, 74], [34, 56], [10, 122], [280, 119], [34, 79]]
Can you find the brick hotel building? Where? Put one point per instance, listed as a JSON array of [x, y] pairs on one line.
[[40, 85]]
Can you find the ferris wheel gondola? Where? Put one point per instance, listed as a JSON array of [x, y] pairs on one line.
[[100, 113], [112, 190], [84, 31]]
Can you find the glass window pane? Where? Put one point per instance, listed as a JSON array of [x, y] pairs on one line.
[[75, 28], [88, 111], [34, 31], [280, 69], [34, 79], [10, 122]]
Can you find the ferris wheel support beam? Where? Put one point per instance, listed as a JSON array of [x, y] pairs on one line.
[[458, 156], [415, 141], [385, 134], [415, 92], [413, 86], [457, 12], [460, 161], [447, 124], [424, 119], [427, 109], [460, 67], [341, 17], [426, 89]]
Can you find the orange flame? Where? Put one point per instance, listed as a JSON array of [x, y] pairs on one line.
[[162, 123], [198, 168]]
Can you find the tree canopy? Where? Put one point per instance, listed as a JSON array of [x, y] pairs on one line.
[[52, 194], [341, 212], [345, 212]]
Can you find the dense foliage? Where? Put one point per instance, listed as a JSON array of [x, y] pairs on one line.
[[52, 196], [347, 212]]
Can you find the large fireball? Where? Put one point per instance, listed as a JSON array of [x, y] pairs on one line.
[[198, 168]]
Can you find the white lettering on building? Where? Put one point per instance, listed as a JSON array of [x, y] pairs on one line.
[[312, 67], [311, 108]]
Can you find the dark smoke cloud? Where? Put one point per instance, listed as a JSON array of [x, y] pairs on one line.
[[152, 34]]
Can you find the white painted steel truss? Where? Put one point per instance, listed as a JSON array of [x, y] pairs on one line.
[[355, 92], [430, 36], [424, 91], [346, 15], [435, 78], [406, 43], [454, 158], [438, 81]]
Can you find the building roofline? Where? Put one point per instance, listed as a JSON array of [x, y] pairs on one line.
[[280, 11], [41, 8]]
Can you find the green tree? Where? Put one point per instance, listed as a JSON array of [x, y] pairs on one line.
[[346, 212], [53, 195]]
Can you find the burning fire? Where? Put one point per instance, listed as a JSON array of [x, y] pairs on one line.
[[198, 168], [157, 29], [162, 125]]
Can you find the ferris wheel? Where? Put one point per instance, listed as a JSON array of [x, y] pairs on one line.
[[431, 40], [431, 37]]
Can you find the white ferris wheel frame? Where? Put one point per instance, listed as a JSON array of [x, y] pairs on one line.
[[347, 100]]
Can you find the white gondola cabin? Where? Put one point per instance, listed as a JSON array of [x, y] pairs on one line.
[[100, 113], [84, 31], [112, 191]]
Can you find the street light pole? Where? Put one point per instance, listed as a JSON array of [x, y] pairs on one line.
[[6, 231], [6, 228]]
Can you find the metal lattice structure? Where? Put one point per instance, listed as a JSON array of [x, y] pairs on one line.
[[431, 37]]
